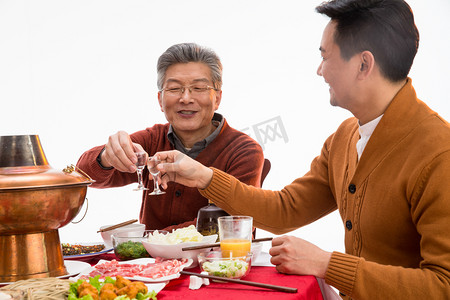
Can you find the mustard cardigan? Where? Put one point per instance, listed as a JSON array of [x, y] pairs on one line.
[[394, 203]]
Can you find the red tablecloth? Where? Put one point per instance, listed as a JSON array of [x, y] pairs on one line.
[[308, 287]]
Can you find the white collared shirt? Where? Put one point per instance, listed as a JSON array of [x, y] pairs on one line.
[[365, 131]]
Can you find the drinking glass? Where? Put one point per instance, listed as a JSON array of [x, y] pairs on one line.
[[153, 161], [235, 234], [140, 165]]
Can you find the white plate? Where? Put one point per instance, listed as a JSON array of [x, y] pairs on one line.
[[157, 287], [73, 268], [87, 255], [139, 261]]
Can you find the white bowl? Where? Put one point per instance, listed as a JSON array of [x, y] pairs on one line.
[[174, 251], [128, 230]]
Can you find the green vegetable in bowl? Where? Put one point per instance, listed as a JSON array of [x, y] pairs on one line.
[[226, 268], [131, 250]]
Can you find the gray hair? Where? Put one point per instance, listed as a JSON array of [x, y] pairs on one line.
[[190, 52]]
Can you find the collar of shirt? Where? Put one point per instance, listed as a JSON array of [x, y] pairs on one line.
[[199, 146], [365, 131]]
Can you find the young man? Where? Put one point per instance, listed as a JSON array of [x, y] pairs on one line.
[[386, 170], [189, 83]]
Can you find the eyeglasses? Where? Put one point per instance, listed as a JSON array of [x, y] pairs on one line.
[[194, 90]]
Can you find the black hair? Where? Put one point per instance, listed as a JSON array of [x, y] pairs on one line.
[[386, 28]]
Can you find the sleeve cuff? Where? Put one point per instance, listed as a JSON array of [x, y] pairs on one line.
[[219, 188], [99, 161], [341, 272]]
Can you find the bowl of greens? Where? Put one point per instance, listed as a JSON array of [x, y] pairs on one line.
[[130, 247], [216, 264]]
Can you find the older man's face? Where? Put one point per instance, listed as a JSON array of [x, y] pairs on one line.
[[189, 112]]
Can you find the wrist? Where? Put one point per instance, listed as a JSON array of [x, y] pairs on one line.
[[205, 178], [323, 265], [101, 162]]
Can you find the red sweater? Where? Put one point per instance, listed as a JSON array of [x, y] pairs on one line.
[[231, 151]]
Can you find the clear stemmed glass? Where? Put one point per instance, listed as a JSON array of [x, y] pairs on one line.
[[140, 165], [151, 165]]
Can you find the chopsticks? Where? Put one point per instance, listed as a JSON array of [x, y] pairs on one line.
[[118, 225], [218, 244], [245, 282]]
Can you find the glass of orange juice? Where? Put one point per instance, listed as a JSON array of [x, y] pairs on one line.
[[235, 233]]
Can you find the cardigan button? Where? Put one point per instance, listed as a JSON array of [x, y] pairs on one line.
[[352, 188], [178, 193], [349, 225]]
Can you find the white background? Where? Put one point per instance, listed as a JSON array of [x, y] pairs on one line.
[[75, 72]]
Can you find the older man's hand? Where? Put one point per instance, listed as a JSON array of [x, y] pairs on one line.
[[120, 152]]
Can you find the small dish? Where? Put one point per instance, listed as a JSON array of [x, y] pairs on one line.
[[129, 247], [230, 267], [87, 256], [256, 250], [131, 230]]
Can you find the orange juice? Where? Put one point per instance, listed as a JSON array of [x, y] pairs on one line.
[[235, 247]]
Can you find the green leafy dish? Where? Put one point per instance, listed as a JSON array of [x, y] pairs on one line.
[[87, 289], [130, 250]]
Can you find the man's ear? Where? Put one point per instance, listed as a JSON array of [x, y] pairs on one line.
[[218, 99], [367, 63], [160, 101]]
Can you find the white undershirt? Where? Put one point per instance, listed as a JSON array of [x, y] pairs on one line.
[[365, 131]]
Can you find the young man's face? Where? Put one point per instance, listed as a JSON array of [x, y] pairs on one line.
[[189, 113], [337, 72]]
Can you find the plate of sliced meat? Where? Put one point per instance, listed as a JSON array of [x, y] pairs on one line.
[[143, 269]]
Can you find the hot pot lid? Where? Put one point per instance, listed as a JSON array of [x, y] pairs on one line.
[[23, 165], [42, 178]]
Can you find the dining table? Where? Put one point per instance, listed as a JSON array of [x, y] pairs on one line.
[[307, 286]]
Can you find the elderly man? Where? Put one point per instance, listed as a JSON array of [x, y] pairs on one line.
[[386, 170], [189, 83]]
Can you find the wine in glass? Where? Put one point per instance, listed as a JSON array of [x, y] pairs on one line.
[[140, 165], [151, 165]]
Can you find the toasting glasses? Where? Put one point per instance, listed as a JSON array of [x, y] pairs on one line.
[[140, 165], [151, 165]]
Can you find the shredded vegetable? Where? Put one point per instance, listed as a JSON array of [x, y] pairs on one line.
[[181, 235], [226, 268]]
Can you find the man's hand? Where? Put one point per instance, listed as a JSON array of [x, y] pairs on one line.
[[181, 168], [293, 255], [119, 153]]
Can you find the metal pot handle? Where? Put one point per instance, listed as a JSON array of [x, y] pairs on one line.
[[85, 212], [69, 169]]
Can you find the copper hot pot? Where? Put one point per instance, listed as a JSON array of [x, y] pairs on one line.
[[35, 200]]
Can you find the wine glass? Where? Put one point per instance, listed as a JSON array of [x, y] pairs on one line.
[[140, 165], [153, 161]]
